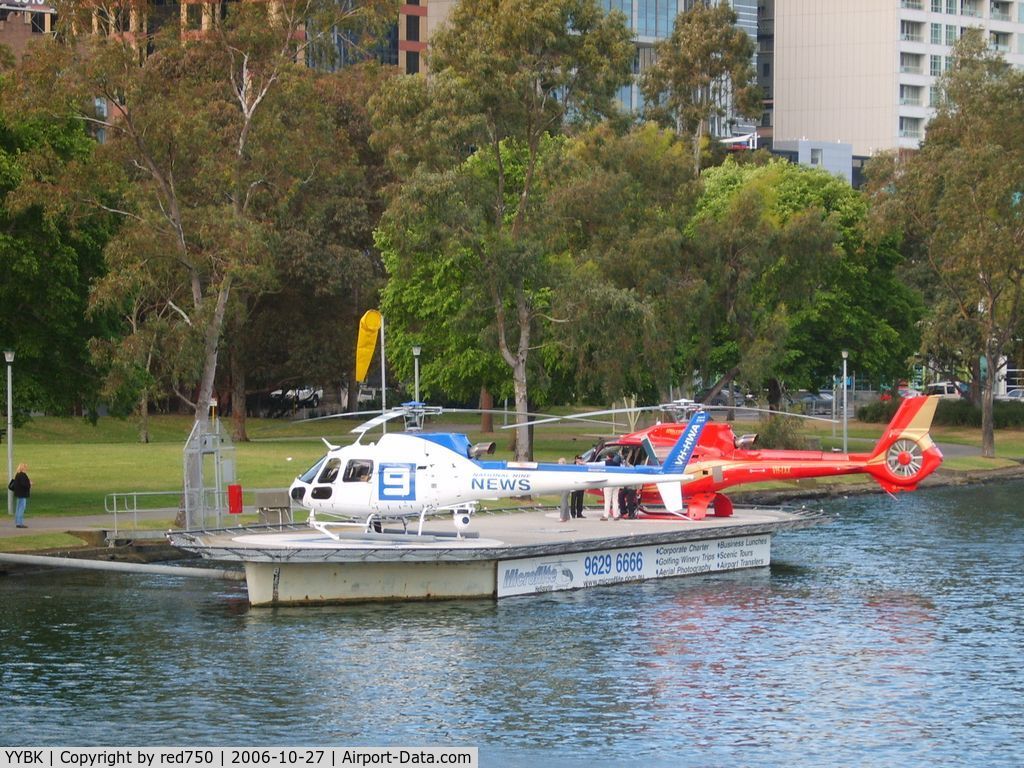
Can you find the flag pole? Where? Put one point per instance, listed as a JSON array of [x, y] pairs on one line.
[[383, 375]]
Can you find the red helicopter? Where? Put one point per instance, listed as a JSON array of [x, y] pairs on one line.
[[903, 456]]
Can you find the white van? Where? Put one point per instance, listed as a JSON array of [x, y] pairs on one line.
[[947, 390]]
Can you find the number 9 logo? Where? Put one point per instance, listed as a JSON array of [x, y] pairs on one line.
[[397, 482]]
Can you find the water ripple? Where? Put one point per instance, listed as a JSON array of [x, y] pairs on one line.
[[893, 636]]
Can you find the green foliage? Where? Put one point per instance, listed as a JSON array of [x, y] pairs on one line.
[[951, 413], [628, 198], [796, 277], [781, 432], [448, 266], [956, 204], [879, 411], [511, 74], [50, 255]]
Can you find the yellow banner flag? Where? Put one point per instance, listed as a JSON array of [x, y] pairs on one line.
[[369, 325]]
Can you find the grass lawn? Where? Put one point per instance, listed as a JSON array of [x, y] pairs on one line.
[[40, 541], [74, 465]]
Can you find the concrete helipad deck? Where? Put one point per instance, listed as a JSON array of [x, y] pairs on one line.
[[502, 554]]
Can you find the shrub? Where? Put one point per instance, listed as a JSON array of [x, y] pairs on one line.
[[781, 432], [878, 412], [951, 413], [958, 413]]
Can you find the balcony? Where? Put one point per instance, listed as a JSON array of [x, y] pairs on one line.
[[910, 69], [914, 5], [910, 101], [999, 11], [999, 41], [911, 37], [911, 128]]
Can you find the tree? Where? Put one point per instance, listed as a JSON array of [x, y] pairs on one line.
[[513, 72], [703, 72], [49, 254], [326, 271], [793, 278], [620, 204], [958, 201], [213, 130]]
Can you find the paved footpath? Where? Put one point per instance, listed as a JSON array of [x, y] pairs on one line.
[[62, 523]]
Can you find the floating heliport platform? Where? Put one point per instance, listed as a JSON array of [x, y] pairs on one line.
[[503, 554]]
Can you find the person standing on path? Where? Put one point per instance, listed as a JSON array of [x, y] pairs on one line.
[[563, 505], [21, 486], [576, 497], [610, 511]]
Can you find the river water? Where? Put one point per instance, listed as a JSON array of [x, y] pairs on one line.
[[891, 637]]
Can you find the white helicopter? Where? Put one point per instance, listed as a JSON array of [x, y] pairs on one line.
[[413, 474]]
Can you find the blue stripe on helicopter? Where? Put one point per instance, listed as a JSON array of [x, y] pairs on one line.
[[675, 462], [453, 441], [680, 455]]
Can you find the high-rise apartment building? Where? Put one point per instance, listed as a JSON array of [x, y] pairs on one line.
[[864, 72]]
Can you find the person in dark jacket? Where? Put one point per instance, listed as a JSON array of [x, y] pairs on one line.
[[576, 497], [20, 485]]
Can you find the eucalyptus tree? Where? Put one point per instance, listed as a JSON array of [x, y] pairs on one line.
[[959, 202], [703, 72], [620, 205], [504, 74], [212, 130]]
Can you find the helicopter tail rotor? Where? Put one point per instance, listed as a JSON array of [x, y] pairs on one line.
[[905, 454]]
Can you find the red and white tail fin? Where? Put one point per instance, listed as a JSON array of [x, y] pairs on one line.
[[905, 454]]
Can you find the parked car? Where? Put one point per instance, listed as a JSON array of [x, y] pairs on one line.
[[722, 398], [814, 403], [947, 390], [903, 391], [299, 397], [1012, 396]]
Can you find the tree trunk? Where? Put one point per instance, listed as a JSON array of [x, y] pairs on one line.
[[697, 140], [517, 362], [988, 438], [486, 405], [238, 414], [524, 448], [774, 395], [210, 350], [144, 417]]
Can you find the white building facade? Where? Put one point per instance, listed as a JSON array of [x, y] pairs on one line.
[[864, 72]]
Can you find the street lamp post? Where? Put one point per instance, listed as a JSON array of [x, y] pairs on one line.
[[9, 357], [846, 354], [416, 371]]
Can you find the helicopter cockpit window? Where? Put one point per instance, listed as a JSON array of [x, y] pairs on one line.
[[309, 474], [358, 471], [330, 473]]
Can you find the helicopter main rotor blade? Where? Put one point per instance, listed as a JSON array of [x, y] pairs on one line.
[[586, 416], [673, 407]]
